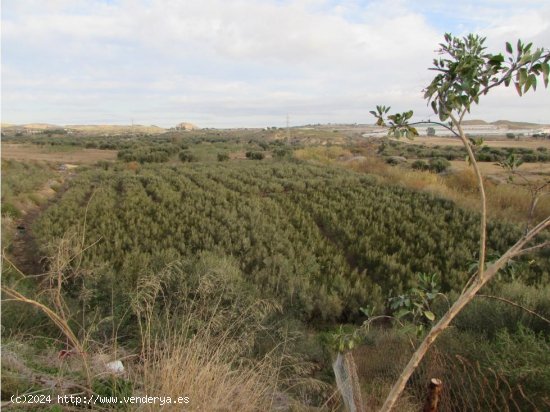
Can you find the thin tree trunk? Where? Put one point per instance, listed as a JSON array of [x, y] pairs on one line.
[[455, 309]]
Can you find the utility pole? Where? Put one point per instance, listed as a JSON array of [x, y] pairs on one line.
[[287, 129]]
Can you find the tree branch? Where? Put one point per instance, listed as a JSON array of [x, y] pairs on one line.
[[516, 305], [533, 248], [483, 224], [459, 304], [437, 123]]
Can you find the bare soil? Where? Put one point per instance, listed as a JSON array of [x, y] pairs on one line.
[[32, 152], [532, 171], [24, 249]]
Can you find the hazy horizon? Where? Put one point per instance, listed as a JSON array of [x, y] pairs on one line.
[[246, 63]]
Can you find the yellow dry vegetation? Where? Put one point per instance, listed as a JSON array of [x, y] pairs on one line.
[[528, 143], [510, 201], [323, 154], [25, 152]]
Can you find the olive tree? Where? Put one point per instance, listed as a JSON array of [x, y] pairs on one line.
[[465, 72]]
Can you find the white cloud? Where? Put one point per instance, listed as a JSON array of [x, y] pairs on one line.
[[225, 62]]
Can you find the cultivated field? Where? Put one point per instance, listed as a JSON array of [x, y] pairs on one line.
[[76, 155], [244, 238]]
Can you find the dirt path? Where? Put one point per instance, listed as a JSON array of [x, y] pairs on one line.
[[24, 248]]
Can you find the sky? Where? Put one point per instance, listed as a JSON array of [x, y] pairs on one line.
[[247, 63]]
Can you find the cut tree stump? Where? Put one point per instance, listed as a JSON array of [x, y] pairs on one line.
[[434, 392]]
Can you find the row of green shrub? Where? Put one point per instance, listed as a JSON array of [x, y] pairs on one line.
[[322, 241], [483, 154]]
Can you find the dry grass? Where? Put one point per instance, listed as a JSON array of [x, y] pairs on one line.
[[209, 372], [535, 172], [324, 155], [505, 201], [377, 371], [209, 356], [468, 384], [203, 346], [77, 156]]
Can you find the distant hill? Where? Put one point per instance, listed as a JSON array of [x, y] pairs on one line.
[[35, 126], [116, 129], [516, 125], [92, 129], [506, 124], [475, 122]]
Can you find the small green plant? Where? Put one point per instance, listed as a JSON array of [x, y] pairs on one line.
[[416, 303], [344, 340]]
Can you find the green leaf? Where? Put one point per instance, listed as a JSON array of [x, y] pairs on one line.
[[522, 76], [429, 315], [518, 87], [545, 67], [533, 81], [496, 60], [401, 313], [509, 47]]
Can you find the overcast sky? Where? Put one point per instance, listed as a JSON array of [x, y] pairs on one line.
[[230, 63]]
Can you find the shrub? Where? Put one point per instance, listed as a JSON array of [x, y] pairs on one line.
[[222, 157], [420, 165], [187, 156], [255, 155], [281, 153], [395, 160], [439, 164]]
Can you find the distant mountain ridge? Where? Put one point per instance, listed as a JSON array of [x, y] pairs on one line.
[[101, 129], [503, 123]]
